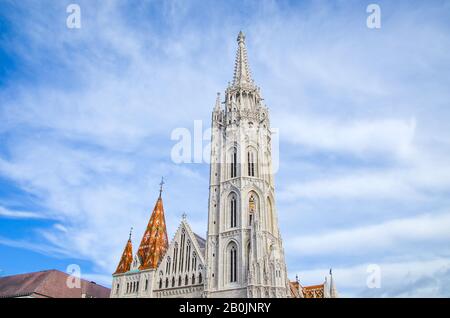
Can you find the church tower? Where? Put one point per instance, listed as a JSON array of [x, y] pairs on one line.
[[244, 251]]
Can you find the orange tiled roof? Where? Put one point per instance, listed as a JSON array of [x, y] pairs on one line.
[[126, 259], [314, 291], [154, 242]]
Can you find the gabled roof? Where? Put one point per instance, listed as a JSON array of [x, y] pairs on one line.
[[198, 243], [154, 242], [48, 284]]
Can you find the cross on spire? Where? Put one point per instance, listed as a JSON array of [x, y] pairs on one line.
[[161, 186], [131, 231]]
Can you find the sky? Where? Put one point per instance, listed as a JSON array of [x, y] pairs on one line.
[[87, 115]]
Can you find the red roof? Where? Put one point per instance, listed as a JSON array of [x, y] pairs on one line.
[[48, 284]]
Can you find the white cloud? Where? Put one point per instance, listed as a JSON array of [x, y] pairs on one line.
[[407, 278], [375, 239], [359, 137], [14, 214]]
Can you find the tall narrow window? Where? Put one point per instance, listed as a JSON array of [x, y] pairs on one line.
[[194, 261], [200, 278], [160, 284], [233, 165], [251, 209], [251, 163], [175, 255], [233, 214], [182, 251], [168, 265], [188, 256], [233, 265]]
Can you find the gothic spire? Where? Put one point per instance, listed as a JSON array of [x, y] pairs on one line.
[[242, 74], [217, 106], [154, 242], [126, 259], [333, 291]]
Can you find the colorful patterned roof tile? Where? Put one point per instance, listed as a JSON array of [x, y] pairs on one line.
[[126, 259], [154, 243]]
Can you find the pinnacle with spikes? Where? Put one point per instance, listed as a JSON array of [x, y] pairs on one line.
[[242, 74]]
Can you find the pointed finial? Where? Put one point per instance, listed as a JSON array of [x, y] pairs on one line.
[[218, 101], [184, 216], [296, 278], [131, 231], [241, 37], [242, 74], [331, 272], [161, 186]]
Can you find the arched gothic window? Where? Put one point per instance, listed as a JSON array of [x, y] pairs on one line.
[[193, 279], [168, 265], [251, 209], [194, 261], [188, 255], [233, 264], [233, 165], [233, 208], [251, 163]]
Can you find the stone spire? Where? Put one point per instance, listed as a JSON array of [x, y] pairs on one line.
[[333, 291], [242, 74], [127, 257], [154, 243], [217, 106]]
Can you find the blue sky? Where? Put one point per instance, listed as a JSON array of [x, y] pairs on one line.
[[86, 117]]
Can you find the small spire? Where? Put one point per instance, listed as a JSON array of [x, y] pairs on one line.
[[161, 186], [131, 231], [241, 37], [242, 74], [184, 216], [296, 278], [217, 107], [333, 290]]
